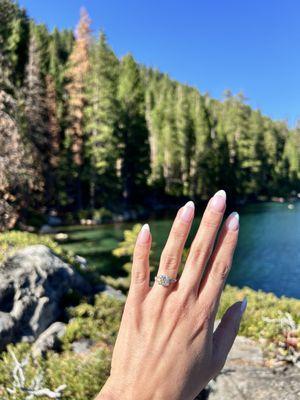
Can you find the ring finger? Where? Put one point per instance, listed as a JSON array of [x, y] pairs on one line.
[[171, 255]]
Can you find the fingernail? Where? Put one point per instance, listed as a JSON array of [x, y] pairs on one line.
[[188, 211], [233, 221], [218, 201], [244, 305], [144, 234]]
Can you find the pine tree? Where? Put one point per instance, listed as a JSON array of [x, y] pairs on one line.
[[101, 116], [35, 107], [52, 123], [20, 173], [76, 88], [135, 157], [186, 136], [155, 109], [14, 34], [76, 74], [171, 144]]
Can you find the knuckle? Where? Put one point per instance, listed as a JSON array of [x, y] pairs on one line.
[[178, 231], [200, 252], [220, 270], [211, 220], [206, 315], [140, 254], [178, 307], [202, 324], [139, 277], [170, 262], [230, 239]]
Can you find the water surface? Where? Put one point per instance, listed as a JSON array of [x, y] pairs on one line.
[[267, 257]]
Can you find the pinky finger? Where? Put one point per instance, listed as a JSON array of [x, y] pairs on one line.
[[140, 273], [226, 333]]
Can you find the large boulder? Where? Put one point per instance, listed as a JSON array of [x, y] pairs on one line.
[[33, 284]]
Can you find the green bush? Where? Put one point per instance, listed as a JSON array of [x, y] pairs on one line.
[[265, 311], [98, 322], [83, 375], [102, 215], [15, 240]]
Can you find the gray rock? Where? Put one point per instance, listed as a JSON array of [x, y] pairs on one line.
[[49, 339], [81, 261], [104, 288], [45, 229], [244, 377], [6, 328], [33, 283], [82, 346]]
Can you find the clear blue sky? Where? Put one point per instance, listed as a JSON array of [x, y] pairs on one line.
[[251, 46]]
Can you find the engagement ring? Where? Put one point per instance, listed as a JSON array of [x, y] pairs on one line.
[[164, 280]]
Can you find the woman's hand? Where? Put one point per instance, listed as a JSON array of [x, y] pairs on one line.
[[167, 348]]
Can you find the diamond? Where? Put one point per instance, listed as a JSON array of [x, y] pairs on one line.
[[163, 280]]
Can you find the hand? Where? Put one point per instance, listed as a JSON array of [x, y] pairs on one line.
[[167, 348]]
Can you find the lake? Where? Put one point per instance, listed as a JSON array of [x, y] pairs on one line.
[[267, 257]]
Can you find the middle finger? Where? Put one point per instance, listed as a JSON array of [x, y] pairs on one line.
[[203, 243]]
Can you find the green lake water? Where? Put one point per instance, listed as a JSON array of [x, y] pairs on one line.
[[267, 257]]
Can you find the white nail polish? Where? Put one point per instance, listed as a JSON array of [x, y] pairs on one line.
[[220, 193], [233, 221]]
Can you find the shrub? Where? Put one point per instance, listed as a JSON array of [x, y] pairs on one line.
[[263, 314], [15, 240], [102, 215], [83, 375], [98, 322]]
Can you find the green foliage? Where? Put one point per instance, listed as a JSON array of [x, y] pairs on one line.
[[83, 375], [15, 240], [101, 116], [117, 131], [134, 143], [102, 215], [261, 305], [98, 322]]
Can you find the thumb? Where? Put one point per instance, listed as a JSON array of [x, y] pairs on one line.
[[227, 331]]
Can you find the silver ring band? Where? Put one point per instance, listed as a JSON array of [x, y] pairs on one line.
[[164, 280]]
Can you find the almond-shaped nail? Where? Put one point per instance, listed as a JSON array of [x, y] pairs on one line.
[[144, 234], [244, 305], [218, 201], [188, 211], [233, 221]]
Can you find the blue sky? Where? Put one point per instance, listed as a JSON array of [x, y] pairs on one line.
[[250, 46]]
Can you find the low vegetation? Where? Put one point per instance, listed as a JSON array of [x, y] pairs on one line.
[[14, 240]]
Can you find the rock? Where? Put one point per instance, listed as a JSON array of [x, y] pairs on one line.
[[104, 288], [82, 346], [54, 220], [61, 237], [245, 376], [82, 262], [33, 283], [46, 229], [49, 339], [6, 328]]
